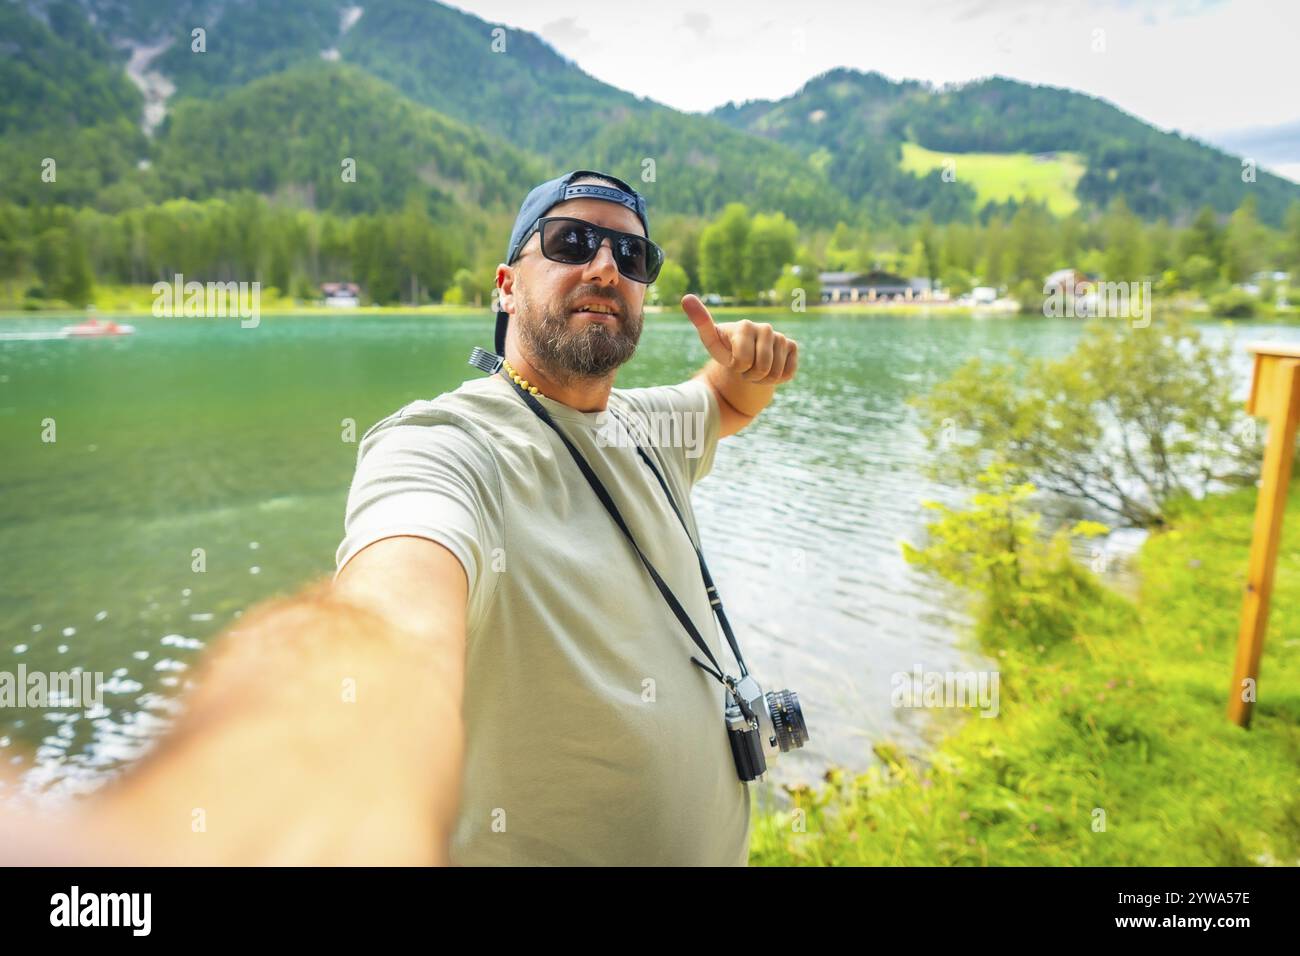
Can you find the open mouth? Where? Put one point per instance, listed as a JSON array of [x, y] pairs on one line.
[[597, 312]]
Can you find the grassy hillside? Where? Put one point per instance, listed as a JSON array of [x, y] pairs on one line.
[[848, 125], [997, 177], [1157, 173], [844, 113]]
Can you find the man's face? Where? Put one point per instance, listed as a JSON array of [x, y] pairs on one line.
[[547, 298]]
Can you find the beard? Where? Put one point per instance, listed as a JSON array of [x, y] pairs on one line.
[[592, 350]]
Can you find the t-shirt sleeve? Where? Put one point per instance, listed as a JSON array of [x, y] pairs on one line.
[[427, 480], [687, 421]]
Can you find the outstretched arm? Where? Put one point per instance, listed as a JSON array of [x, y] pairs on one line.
[[325, 729]]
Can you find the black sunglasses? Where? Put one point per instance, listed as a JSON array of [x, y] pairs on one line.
[[575, 241]]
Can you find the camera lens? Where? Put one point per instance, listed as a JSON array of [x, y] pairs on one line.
[[787, 719]]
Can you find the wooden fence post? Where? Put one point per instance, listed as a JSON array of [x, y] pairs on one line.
[[1275, 396]]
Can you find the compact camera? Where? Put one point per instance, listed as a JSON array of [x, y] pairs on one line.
[[761, 726]]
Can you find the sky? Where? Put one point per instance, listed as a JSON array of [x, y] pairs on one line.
[[1225, 71]]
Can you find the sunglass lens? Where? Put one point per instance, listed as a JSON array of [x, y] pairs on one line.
[[638, 258], [568, 241], [654, 258], [631, 257]]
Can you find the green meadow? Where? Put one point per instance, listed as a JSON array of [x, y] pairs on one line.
[[1111, 748], [997, 177]]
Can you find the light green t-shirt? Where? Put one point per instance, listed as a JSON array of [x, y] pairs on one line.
[[591, 737]]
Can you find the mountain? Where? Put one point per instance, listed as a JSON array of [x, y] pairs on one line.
[[858, 124], [69, 119], [270, 97], [524, 99], [293, 131], [57, 71], [535, 98]]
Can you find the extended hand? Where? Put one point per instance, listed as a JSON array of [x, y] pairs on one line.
[[752, 351]]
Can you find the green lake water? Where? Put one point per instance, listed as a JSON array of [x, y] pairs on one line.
[[199, 434]]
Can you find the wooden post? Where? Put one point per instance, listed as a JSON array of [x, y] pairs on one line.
[[1275, 396]]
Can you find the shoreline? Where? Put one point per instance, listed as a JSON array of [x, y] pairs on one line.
[[441, 309], [913, 310]]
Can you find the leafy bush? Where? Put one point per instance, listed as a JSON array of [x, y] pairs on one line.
[[1030, 590], [1234, 303], [1130, 420]]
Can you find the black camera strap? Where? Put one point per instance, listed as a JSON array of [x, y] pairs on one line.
[[492, 363], [715, 600]]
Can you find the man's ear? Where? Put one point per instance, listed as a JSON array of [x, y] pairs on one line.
[[506, 288]]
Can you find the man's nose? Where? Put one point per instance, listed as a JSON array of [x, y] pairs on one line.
[[602, 264]]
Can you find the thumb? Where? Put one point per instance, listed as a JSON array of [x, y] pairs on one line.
[[717, 344]]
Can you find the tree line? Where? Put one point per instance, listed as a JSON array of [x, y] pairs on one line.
[[413, 255]]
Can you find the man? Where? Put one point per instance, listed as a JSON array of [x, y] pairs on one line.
[[591, 737]]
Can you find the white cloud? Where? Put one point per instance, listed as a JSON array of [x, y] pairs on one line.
[[697, 23]]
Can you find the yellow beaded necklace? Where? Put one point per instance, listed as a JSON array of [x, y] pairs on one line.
[[519, 379]]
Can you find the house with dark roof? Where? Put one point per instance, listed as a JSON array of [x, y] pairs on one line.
[[873, 286]]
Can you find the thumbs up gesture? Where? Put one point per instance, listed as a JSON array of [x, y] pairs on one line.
[[752, 351]]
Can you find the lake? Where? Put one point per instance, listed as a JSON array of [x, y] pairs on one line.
[[199, 434]]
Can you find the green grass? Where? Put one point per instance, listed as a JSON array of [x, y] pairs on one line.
[[997, 177], [1128, 717]]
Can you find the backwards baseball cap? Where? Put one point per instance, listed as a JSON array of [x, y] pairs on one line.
[[540, 201]]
